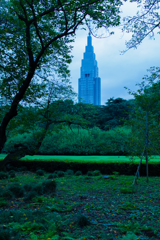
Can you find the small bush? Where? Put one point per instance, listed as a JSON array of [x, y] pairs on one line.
[[51, 176], [127, 190], [78, 173], [28, 186], [12, 174], [96, 173], [22, 169], [8, 195], [3, 202], [40, 172], [49, 186], [115, 173], [90, 173], [5, 234], [38, 189], [129, 236], [60, 174], [3, 175], [30, 195], [17, 190], [83, 221], [55, 175], [69, 172]]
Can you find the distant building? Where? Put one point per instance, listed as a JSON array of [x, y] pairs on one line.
[[89, 84]]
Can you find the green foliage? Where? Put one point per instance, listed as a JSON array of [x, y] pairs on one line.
[[69, 172], [3, 175], [12, 174], [40, 172], [90, 173], [16, 189], [129, 236], [28, 186], [96, 173], [49, 186], [6, 194], [3, 202], [126, 190], [133, 227], [78, 173], [51, 176], [60, 173], [83, 221], [30, 195], [114, 113], [38, 188], [80, 141], [6, 234]]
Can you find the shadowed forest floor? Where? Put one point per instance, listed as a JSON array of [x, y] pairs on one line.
[[82, 207]]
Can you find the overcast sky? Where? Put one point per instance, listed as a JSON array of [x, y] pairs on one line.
[[115, 70]]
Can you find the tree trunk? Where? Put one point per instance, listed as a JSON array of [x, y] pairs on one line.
[[13, 110], [147, 165], [146, 144], [138, 168]]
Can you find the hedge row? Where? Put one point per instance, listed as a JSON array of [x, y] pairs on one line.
[[109, 168]]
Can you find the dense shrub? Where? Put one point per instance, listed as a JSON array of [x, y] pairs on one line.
[[60, 173], [49, 186], [126, 190], [78, 173], [3, 202], [22, 169], [51, 176], [8, 195], [12, 174], [17, 190], [38, 188], [25, 138], [30, 195], [3, 175], [129, 236], [5, 234], [90, 173], [83, 221], [69, 172], [96, 173], [40, 172], [28, 186], [82, 142]]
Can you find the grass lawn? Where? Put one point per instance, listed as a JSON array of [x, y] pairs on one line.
[[99, 159], [81, 208]]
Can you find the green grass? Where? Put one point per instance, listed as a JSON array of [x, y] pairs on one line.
[[83, 208], [96, 159]]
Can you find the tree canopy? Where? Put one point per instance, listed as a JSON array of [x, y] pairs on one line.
[[144, 23]]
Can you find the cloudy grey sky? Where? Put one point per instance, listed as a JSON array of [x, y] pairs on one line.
[[115, 70]]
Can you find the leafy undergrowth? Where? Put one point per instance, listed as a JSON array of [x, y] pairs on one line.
[[66, 207]]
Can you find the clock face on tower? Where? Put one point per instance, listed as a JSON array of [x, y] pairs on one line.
[[89, 84]]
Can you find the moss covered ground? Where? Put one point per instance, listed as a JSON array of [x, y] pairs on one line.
[[81, 207]]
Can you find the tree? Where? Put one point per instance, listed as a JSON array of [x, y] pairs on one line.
[[114, 112], [144, 24], [88, 112], [35, 39], [145, 120]]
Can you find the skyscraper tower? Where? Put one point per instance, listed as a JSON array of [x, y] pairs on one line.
[[89, 84]]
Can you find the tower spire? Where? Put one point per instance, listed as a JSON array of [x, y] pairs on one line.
[[89, 40]]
